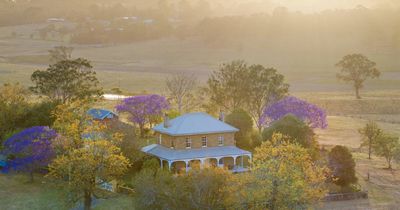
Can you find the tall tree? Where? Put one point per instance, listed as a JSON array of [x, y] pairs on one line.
[[86, 168], [311, 114], [60, 53], [180, 87], [387, 146], [285, 175], [67, 80], [228, 86], [30, 149], [370, 133], [143, 109], [87, 152], [342, 166], [355, 69], [266, 87]]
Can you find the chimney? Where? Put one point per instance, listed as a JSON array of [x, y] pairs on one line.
[[221, 116], [166, 121]]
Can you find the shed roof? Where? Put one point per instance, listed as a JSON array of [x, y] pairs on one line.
[[100, 114], [189, 154], [194, 123]]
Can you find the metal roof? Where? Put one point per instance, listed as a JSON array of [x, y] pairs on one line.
[[194, 123], [100, 114], [190, 154]]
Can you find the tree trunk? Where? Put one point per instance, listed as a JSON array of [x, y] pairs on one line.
[[369, 148], [274, 192], [357, 92], [87, 200]]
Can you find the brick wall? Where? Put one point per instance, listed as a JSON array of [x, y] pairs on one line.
[[212, 140]]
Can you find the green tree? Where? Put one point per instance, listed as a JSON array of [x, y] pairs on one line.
[[243, 121], [266, 86], [387, 146], [228, 86], [284, 175], [370, 132], [342, 166], [298, 131], [67, 80], [87, 155], [355, 69], [87, 167]]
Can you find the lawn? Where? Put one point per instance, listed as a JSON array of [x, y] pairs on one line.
[[16, 193]]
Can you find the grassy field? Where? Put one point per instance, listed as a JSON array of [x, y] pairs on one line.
[[16, 193]]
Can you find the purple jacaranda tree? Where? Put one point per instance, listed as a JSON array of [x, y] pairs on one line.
[[309, 113], [143, 109], [29, 150]]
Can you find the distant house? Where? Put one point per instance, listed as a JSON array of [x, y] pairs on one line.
[[198, 139], [102, 114]]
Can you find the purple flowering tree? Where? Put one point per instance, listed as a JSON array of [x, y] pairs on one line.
[[309, 113], [143, 109], [29, 150]]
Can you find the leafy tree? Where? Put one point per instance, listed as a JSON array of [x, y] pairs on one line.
[[60, 53], [266, 87], [87, 167], [88, 155], [30, 149], [243, 121], [387, 146], [199, 189], [298, 131], [342, 166], [309, 113], [13, 108], [228, 86], [144, 109], [370, 132], [67, 80], [356, 68], [180, 87], [285, 176]]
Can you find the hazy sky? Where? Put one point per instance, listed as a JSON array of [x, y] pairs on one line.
[[318, 5]]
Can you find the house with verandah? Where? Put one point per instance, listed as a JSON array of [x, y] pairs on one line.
[[197, 139]]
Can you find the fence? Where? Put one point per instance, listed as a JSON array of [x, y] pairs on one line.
[[346, 196]]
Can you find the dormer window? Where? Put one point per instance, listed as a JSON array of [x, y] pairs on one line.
[[188, 141], [220, 140], [172, 144], [204, 141]]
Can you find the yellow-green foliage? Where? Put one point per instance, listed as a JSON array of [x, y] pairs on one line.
[[285, 174]]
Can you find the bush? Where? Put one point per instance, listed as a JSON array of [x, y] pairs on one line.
[[342, 166], [243, 121]]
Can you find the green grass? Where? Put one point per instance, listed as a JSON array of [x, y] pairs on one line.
[[16, 193]]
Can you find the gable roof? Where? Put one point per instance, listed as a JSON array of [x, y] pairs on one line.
[[193, 124], [100, 114]]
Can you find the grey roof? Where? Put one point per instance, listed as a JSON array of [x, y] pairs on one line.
[[195, 123], [188, 154]]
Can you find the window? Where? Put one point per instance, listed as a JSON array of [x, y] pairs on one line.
[[220, 140], [204, 141], [188, 143], [172, 144]]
